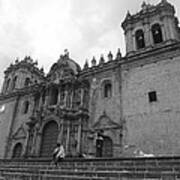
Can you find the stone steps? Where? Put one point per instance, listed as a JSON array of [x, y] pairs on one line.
[[78, 173], [98, 176], [16, 175], [97, 169]]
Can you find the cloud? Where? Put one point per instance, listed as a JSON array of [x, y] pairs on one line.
[[44, 28]]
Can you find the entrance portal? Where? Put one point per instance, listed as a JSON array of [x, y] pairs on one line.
[[49, 139], [104, 146], [17, 151], [107, 147]]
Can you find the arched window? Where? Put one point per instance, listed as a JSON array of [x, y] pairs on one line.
[[14, 83], [7, 84], [54, 96], [27, 82], [139, 35], [17, 151], [156, 33], [107, 89], [25, 107]]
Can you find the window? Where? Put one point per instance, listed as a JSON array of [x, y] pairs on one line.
[[25, 107], [152, 96], [139, 35], [156, 33], [14, 83], [27, 82], [54, 96], [7, 84], [107, 89]]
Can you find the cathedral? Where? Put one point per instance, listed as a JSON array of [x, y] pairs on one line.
[[112, 107]]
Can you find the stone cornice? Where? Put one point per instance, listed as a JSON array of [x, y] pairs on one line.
[[147, 11], [100, 68], [158, 52], [22, 92], [28, 64]]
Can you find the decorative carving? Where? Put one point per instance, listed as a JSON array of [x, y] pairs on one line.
[[105, 122], [20, 133], [101, 61], [93, 62], [110, 56], [86, 65]]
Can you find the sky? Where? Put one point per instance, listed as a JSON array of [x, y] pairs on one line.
[[42, 29]]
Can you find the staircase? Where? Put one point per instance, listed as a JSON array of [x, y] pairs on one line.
[[155, 168]]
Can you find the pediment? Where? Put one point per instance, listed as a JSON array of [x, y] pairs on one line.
[[105, 122], [20, 133]]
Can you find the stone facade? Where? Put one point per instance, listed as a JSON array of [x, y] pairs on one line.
[[132, 102]]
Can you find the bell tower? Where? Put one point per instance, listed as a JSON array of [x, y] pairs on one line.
[[153, 26]]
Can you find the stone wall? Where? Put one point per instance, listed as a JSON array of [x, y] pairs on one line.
[[152, 127], [107, 107], [6, 119], [19, 127]]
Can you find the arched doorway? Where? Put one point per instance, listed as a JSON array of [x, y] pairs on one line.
[[17, 151], [107, 147], [49, 139]]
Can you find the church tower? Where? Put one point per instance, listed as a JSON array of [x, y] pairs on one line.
[[152, 27]]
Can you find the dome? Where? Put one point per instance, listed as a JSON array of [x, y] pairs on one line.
[[65, 64]]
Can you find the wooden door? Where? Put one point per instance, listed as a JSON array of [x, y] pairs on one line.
[[49, 139], [17, 151], [107, 147]]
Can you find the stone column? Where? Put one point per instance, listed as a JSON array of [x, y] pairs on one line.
[[31, 137], [35, 140], [129, 38], [40, 102], [167, 28], [60, 136], [65, 98], [71, 99], [147, 35], [67, 138], [59, 96], [134, 42], [38, 143], [47, 95], [79, 136], [26, 152], [82, 97]]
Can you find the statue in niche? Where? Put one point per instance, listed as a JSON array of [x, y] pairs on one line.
[[86, 98], [62, 97], [68, 101], [77, 98]]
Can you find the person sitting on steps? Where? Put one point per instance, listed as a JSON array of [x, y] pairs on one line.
[[58, 153]]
